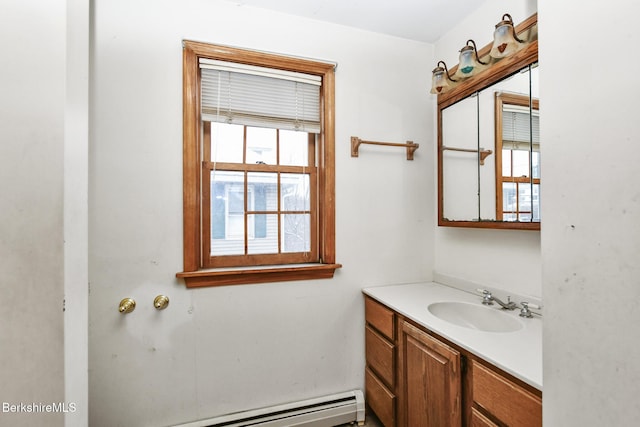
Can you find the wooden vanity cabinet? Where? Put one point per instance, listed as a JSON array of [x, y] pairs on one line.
[[415, 378]]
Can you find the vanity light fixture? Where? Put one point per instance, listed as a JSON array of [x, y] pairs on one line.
[[505, 41], [440, 79], [470, 64]]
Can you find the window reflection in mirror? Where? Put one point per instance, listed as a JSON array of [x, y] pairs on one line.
[[517, 142], [517, 158]]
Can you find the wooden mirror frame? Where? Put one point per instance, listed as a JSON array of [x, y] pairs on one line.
[[496, 72]]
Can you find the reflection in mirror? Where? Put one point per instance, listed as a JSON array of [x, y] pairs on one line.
[[460, 173]]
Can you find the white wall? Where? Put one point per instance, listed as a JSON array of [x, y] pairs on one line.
[[590, 234], [219, 350], [502, 259], [32, 79]]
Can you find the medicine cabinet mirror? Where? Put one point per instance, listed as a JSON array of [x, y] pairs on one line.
[[489, 143]]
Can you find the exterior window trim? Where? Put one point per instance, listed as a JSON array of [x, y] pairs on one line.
[[193, 273]]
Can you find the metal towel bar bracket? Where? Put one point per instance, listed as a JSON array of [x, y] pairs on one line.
[[355, 145]]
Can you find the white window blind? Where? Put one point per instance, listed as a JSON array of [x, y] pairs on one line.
[[257, 96], [515, 128]]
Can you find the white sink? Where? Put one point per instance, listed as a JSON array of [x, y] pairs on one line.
[[475, 316]]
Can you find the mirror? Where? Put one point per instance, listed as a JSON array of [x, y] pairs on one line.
[[489, 144]]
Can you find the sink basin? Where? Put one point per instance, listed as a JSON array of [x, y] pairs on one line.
[[475, 316]]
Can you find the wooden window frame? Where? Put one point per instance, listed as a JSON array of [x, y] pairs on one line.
[[500, 100], [196, 272]]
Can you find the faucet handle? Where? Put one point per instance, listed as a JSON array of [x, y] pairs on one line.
[[525, 312], [487, 298]]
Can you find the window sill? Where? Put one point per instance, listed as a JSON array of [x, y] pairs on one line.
[[262, 274]]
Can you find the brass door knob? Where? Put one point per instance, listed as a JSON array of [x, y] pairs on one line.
[[161, 302], [127, 305]]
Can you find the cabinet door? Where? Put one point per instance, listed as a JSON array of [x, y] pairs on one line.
[[431, 380]]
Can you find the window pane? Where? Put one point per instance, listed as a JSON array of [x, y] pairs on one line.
[[261, 145], [226, 142], [520, 163], [265, 191], [524, 203], [294, 148], [235, 199], [235, 227], [506, 163], [536, 202], [296, 233], [508, 197], [535, 161], [265, 235], [295, 192], [227, 213], [524, 194], [524, 217]]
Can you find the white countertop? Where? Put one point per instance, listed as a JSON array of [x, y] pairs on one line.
[[518, 353]]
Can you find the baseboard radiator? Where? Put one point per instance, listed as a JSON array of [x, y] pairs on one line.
[[326, 411]]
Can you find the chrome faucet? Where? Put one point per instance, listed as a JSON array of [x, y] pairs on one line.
[[488, 299]]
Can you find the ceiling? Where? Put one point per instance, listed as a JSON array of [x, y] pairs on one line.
[[421, 20]]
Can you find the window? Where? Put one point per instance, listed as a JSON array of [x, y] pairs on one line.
[[258, 166], [517, 158]]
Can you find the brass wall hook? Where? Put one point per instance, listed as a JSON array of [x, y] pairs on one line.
[[161, 302], [127, 305]]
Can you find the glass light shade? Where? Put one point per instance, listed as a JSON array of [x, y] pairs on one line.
[[439, 81], [468, 65], [504, 43]]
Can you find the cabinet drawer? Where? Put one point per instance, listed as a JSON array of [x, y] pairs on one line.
[[380, 399], [479, 420], [507, 401], [380, 356], [380, 317]]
